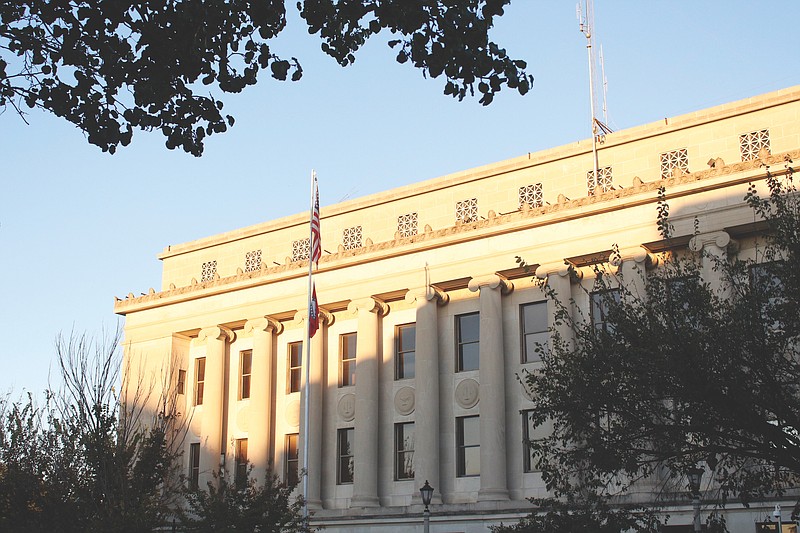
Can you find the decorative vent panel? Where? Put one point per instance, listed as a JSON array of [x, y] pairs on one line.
[[752, 143], [467, 211], [252, 261], [351, 238], [209, 271], [672, 160], [407, 224], [604, 181], [531, 195], [300, 249]]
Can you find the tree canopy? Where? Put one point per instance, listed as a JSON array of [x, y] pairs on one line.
[[112, 66], [689, 373]]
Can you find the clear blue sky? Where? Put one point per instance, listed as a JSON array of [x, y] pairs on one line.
[[78, 227]]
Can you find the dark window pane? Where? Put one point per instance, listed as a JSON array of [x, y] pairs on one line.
[[470, 357]]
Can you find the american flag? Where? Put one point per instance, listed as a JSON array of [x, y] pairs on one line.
[[316, 244]]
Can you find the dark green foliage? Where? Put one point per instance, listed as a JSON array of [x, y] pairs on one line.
[[224, 506], [112, 66], [686, 374], [83, 460]]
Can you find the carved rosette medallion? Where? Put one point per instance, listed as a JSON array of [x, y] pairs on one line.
[[347, 407], [468, 393], [293, 413], [404, 401]]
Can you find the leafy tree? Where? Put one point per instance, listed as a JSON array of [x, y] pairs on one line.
[[225, 506], [112, 66], [685, 374], [84, 459]]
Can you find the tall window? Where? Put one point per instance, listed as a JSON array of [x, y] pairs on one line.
[[295, 365], [534, 330], [245, 369], [406, 345], [468, 446], [601, 304], [292, 459], [194, 465], [240, 476], [208, 271], [344, 453], [199, 379], [181, 381], [347, 359], [404, 451], [468, 331], [528, 460]]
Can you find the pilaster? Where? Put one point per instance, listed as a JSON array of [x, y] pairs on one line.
[[713, 248]]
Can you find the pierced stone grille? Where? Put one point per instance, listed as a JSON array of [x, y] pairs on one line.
[[467, 211], [407, 225], [531, 195], [252, 261], [672, 160], [351, 238], [752, 143], [209, 271], [300, 249], [604, 181]]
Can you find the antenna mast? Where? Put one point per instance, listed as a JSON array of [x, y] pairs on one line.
[[587, 29]]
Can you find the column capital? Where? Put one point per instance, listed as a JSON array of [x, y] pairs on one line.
[[427, 294], [263, 323], [217, 333], [635, 254], [492, 281], [720, 239], [369, 304], [560, 268], [325, 317]]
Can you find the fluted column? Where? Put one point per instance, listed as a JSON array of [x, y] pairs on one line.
[[632, 264], [365, 450], [713, 247], [494, 483], [216, 339], [426, 379], [558, 279], [262, 394], [316, 391]]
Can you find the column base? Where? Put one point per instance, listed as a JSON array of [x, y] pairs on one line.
[[485, 495], [364, 501]]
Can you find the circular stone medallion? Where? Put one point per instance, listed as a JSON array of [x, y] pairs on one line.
[[404, 401], [347, 407], [467, 393]]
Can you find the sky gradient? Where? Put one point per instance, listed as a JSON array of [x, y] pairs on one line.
[[78, 227]]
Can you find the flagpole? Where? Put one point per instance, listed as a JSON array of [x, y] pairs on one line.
[[308, 344]]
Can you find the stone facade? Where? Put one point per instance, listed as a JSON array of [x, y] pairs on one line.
[[414, 368]]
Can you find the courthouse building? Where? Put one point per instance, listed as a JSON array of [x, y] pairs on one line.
[[427, 321]]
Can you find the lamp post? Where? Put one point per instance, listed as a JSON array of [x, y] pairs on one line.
[[778, 518], [427, 493], [695, 476]]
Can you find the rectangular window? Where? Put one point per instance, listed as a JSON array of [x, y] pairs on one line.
[[347, 359], [208, 271], [468, 331], [467, 211], [768, 292], [672, 161], [194, 465], [534, 330], [407, 224], [240, 476], [404, 451], [294, 364], [468, 446], [300, 249], [531, 195], [605, 181], [199, 379], [181, 381], [344, 453], [252, 261], [752, 144], [245, 369], [601, 304], [292, 459], [406, 345], [528, 460], [351, 238]]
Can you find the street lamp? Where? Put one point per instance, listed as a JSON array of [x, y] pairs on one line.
[[778, 518], [695, 476], [427, 493]]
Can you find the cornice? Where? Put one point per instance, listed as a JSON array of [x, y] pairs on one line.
[[640, 193]]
